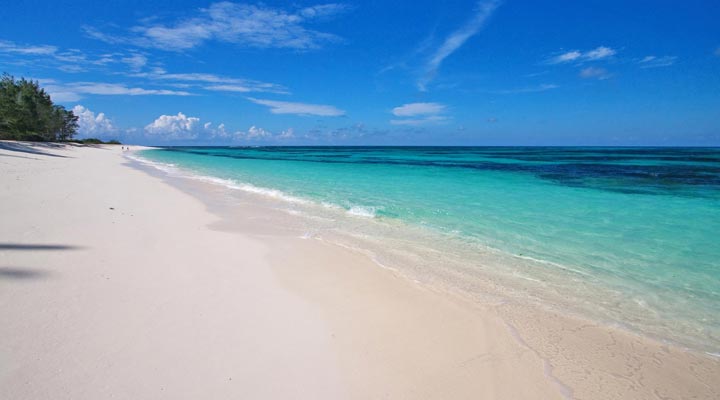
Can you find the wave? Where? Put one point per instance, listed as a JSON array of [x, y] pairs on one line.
[[355, 210], [363, 212]]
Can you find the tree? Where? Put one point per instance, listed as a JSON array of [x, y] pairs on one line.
[[28, 113]]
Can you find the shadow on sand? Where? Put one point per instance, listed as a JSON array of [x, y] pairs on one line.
[[21, 273], [33, 148], [31, 247], [29, 273]]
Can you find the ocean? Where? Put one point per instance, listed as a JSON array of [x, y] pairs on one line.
[[625, 236]]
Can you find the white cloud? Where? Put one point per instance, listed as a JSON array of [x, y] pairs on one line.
[[717, 52], [599, 53], [180, 127], [287, 134], [229, 88], [71, 60], [453, 42], [324, 10], [528, 89], [414, 114], [62, 96], [10, 47], [134, 64], [567, 57], [414, 109], [257, 133], [596, 54], [74, 91], [594, 73], [286, 107], [136, 61], [91, 124], [218, 83], [657, 62], [120, 89], [175, 127], [244, 24], [70, 56]]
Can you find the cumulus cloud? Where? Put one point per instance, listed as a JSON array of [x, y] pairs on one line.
[[259, 26], [657, 62], [183, 128], [91, 124], [286, 107], [287, 134], [257, 133], [594, 73], [455, 40], [414, 114], [596, 54], [175, 127]]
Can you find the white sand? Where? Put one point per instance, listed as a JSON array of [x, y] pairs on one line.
[[148, 300]]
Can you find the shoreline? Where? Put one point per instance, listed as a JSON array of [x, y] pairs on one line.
[[381, 333], [479, 286]]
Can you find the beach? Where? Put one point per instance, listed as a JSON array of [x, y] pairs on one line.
[[118, 281]]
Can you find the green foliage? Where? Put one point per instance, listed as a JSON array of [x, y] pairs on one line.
[[27, 113], [94, 141]]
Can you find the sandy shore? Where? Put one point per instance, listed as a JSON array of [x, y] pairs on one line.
[[114, 282]]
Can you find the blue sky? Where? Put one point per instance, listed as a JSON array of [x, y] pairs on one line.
[[376, 72]]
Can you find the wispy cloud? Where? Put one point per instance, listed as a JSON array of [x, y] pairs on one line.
[[527, 89], [286, 107], [135, 61], [229, 88], [258, 26], [415, 109], [71, 60], [414, 114], [46, 55], [578, 56], [717, 51], [10, 47], [68, 92], [133, 64], [215, 82], [594, 73], [657, 62], [484, 10]]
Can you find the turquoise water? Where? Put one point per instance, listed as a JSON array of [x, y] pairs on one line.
[[628, 235]]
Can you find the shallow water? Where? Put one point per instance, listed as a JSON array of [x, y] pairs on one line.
[[625, 235]]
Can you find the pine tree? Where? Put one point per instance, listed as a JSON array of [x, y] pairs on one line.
[[28, 113]]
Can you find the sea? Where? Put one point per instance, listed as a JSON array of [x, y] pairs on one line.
[[624, 236]]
